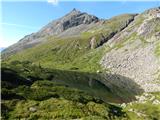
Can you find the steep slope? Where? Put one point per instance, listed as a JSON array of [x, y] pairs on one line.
[[134, 51]]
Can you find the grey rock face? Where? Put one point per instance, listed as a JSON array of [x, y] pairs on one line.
[[72, 19], [135, 58], [77, 19], [92, 42], [139, 65]]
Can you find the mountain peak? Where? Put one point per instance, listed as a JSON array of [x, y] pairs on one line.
[[74, 11], [73, 19]]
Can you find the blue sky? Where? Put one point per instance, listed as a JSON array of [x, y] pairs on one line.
[[22, 18]]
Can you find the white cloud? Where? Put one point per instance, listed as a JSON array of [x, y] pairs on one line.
[[54, 2]]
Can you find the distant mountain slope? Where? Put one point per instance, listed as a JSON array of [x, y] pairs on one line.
[[82, 21]]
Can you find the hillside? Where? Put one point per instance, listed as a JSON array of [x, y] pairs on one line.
[[137, 55], [89, 68]]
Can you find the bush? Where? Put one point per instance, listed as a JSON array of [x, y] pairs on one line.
[[4, 111], [15, 62], [12, 78], [8, 94], [35, 94]]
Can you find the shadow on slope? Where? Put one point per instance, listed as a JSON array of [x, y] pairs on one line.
[[108, 87], [11, 79]]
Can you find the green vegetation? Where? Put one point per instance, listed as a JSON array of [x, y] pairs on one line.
[[89, 82], [145, 110], [157, 49], [54, 108], [54, 100]]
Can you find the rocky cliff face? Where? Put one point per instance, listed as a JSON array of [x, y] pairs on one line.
[[72, 19]]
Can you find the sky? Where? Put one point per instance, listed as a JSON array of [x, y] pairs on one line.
[[22, 17]]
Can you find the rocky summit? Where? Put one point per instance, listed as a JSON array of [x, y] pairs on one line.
[[82, 63]]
